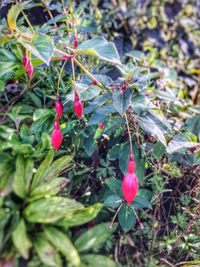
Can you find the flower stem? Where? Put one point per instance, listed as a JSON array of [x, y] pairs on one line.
[[113, 219], [129, 134], [59, 77]]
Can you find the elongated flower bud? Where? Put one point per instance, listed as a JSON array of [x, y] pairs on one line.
[[75, 43], [59, 107], [101, 125], [30, 69], [78, 106], [25, 60], [56, 137], [131, 164], [130, 187]]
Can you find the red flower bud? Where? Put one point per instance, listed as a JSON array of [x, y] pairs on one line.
[[56, 137], [101, 125], [30, 69], [95, 82], [131, 164], [78, 106], [129, 187], [25, 60], [75, 42], [59, 107]]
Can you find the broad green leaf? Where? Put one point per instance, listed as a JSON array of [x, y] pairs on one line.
[[136, 54], [46, 252], [101, 113], [121, 100], [41, 46], [149, 126], [19, 177], [43, 169], [21, 239], [48, 189], [85, 91], [95, 260], [182, 140], [47, 210], [81, 216], [28, 173], [95, 237], [115, 186], [57, 167], [113, 153], [193, 125], [99, 47], [141, 202], [13, 14], [63, 244], [126, 217], [112, 201], [89, 145], [159, 150]]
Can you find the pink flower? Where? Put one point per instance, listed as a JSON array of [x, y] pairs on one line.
[[78, 106], [30, 69], [56, 136], [59, 107], [129, 187]]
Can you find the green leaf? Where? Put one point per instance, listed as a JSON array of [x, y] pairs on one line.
[[141, 202], [149, 126], [2, 86], [13, 14], [28, 173], [112, 201], [95, 260], [113, 153], [85, 91], [115, 186], [58, 166], [89, 145], [21, 240], [41, 46], [4, 39], [101, 113], [43, 169], [182, 140], [47, 210], [19, 177], [45, 250], [159, 150], [122, 100], [95, 237], [196, 158], [81, 216], [193, 125], [63, 244], [99, 47], [48, 189], [126, 217]]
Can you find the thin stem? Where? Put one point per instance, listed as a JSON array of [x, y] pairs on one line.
[[73, 74], [141, 225], [59, 77], [113, 219], [28, 21], [129, 133], [89, 74]]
